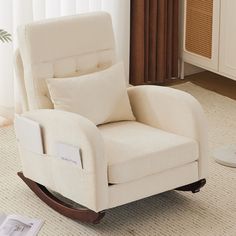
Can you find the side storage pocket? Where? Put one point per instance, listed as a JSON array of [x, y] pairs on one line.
[[37, 167], [61, 176]]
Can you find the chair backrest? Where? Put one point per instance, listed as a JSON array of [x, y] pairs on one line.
[[61, 47]]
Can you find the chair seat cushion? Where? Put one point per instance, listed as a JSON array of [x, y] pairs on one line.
[[135, 150]]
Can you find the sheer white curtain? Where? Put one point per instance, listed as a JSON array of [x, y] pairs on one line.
[[17, 12]]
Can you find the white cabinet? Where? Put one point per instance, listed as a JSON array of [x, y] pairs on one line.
[[227, 46], [209, 35]]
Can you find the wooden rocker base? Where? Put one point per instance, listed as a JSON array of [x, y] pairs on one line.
[[193, 187], [81, 214]]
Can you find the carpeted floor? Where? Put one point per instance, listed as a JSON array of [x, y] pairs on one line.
[[210, 212]]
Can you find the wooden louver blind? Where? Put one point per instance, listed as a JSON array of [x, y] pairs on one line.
[[199, 18]]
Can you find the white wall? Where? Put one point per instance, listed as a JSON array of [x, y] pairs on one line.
[[6, 71]]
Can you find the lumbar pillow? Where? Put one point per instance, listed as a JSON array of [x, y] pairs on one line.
[[100, 97]]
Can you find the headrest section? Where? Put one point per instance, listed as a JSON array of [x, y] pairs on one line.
[[64, 37]]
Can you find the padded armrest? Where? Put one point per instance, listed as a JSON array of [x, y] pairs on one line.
[[73, 129], [174, 111]]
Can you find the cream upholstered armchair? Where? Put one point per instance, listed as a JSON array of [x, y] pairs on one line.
[[164, 148]]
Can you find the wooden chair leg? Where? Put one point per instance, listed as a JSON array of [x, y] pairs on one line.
[[193, 187], [81, 214]]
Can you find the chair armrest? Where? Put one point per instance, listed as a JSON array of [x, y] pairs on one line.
[[174, 111], [72, 129], [75, 130]]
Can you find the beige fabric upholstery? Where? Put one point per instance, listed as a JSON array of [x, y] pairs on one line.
[[83, 47], [120, 194], [165, 148], [174, 111], [88, 186], [20, 82], [135, 150], [101, 96]]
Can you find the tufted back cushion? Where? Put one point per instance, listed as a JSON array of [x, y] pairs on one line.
[[63, 47]]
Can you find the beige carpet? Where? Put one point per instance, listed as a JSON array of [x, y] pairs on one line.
[[210, 212]]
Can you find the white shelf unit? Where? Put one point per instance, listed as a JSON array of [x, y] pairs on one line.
[[209, 35]]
